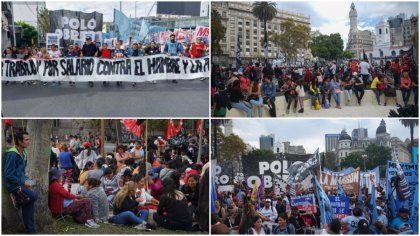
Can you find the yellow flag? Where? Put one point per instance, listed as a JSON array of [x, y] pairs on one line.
[[254, 191]]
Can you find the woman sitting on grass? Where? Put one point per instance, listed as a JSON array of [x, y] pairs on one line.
[[172, 212], [125, 208], [61, 202], [98, 199]]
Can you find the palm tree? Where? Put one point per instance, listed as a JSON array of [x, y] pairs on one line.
[[264, 11], [412, 124]]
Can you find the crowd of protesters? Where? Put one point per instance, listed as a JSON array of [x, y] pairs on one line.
[[255, 85], [171, 47], [235, 213], [161, 185]]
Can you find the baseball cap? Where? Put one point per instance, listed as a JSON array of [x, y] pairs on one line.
[[88, 38], [55, 173]]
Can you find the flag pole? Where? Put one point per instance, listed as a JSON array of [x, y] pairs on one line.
[[200, 148]]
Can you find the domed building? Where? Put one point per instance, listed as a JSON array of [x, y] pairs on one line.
[[360, 140], [344, 145]]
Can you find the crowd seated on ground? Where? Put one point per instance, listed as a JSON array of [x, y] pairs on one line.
[[167, 189]]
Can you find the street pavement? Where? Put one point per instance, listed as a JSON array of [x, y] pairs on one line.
[[188, 98]]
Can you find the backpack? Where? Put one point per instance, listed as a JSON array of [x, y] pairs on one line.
[[317, 105]]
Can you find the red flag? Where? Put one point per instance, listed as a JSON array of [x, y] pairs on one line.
[[199, 127], [7, 123], [171, 130], [133, 126]]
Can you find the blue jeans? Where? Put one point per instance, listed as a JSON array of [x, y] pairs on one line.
[[314, 97], [416, 94], [405, 95], [336, 98], [244, 106], [129, 218], [28, 211], [258, 103]]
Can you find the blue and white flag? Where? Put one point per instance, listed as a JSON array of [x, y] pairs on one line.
[[324, 204], [373, 203], [122, 25], [340, 191]]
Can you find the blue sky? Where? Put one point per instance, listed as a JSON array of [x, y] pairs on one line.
[[333, 17], [311, 132]]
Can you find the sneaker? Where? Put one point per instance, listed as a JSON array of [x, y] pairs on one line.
[[301, 110], [174, 81], [379, 104], [141, 227], [7, 83], [154, 82], [133, 84], [202, 79], [45, 83], [14, 201], [385, 104], [92, 224], [91, 84]]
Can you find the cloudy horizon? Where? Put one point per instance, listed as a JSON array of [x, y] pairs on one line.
[[311, 132]]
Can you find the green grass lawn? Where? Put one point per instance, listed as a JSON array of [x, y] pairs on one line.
[[68, 226]]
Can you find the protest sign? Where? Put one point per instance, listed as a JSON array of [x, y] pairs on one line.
[[304, 203], [350, 182], [52, 38], [70, 25], [340, 206], [203, 32], [224, 176], [136, 69], [256, 168], [366, 178]]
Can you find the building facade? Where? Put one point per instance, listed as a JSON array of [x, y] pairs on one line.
[[359, 141], [241, 24], [267, 142], [295, 150], [358, 40], [331, 142]]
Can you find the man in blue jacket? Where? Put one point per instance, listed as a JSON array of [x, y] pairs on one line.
[[173, 49], [17, 182], [269, 91]]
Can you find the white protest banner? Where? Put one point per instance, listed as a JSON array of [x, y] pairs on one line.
[[135, 69], [350, 181]]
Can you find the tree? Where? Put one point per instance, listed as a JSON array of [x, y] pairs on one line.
[[44, 21], [36, 169], [292, 37], [375, 156], [330, 161], [29, 35], [229, 147], [261, 153], [38, 163], [354, 160], [264, 11], [412, 124], [329, 47], [218, 32]]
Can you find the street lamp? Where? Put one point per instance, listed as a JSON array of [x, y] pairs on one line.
[[364, 161]]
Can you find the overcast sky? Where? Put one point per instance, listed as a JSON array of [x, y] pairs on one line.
[[333, 17], [311, 132], [106, 7]]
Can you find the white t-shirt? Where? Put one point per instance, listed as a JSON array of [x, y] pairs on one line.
[[364, 68], [138, 152], [54, 54], [144, 195], [352, 222], [270, 213]]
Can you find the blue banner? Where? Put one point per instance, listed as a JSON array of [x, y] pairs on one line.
[[340, 206]]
